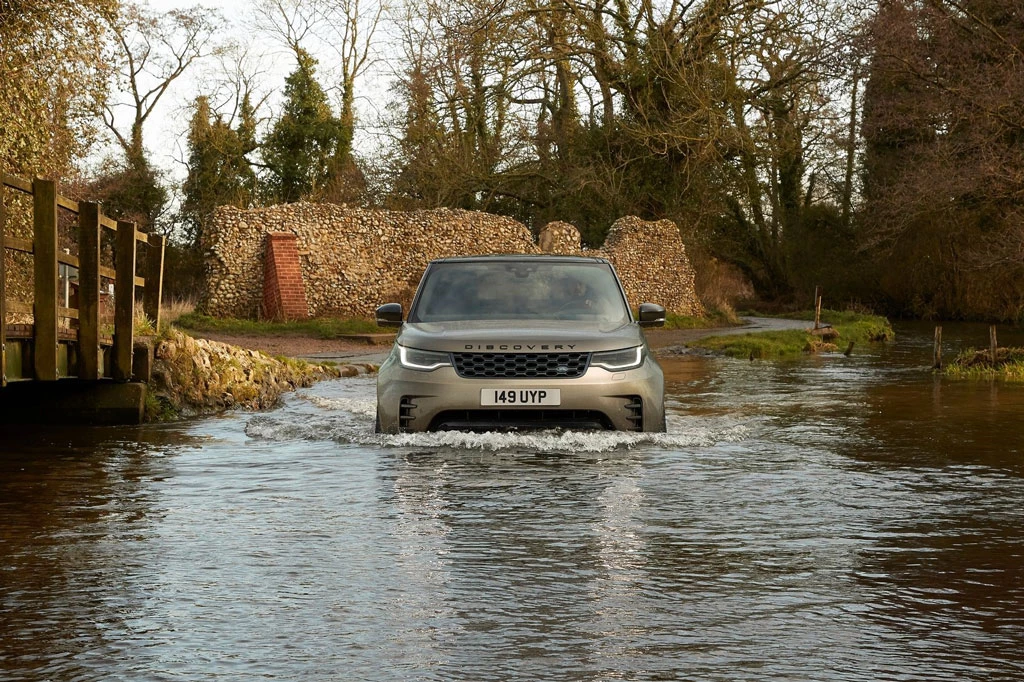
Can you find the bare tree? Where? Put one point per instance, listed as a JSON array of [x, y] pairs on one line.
[[944, 163], [344, 28], [240, 74], [356, 23], [291, 23], [713, 112], [784, 73], [154, 51], [471, 93]]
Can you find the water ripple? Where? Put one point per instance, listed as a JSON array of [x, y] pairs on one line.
[[815, 520]]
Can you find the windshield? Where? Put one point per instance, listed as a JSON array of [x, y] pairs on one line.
[[520, 290]]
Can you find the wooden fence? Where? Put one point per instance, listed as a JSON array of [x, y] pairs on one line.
[[65, 340]]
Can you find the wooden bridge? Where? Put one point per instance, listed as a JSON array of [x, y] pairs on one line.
[[72, 347]]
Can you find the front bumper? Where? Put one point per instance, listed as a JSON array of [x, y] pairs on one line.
[[412, 400]]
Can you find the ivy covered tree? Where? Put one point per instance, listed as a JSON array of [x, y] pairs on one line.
[[301, 153], [219, 174], [54, 74], [132, 190]]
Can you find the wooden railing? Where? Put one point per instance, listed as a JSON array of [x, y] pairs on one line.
[[84, 321]]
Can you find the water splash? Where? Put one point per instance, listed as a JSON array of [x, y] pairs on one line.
[[344, 412], [361, 406], [557, 441], [352, 424]]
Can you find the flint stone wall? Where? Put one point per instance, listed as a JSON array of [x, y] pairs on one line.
[[354, 259]]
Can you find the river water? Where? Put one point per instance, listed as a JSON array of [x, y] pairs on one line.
[[823, 519]]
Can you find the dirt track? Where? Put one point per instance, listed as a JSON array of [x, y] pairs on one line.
[[293, 345]]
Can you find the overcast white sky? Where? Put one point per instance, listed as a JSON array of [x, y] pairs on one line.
[[164, 132]]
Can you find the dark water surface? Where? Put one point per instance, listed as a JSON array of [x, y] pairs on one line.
[[826, 519]]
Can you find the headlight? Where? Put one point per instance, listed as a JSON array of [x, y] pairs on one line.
[[617, 360], [425, 360]]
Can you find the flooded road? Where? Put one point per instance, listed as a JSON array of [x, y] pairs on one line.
[[823, 519]]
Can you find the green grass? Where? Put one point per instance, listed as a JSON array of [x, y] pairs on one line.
[[158, 409], [852, 326], [762, 346], [323, 328], [859, 328], [977, 364]]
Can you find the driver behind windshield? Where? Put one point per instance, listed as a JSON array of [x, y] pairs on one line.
[[580, 299]]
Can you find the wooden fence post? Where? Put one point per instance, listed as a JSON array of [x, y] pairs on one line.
[[44, 248], [817, 307], [3, 288], [90, 367], [993, 343], [937, 351], [154, 280], [124, 301]]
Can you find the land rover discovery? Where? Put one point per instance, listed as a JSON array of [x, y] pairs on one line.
[[512, 342]]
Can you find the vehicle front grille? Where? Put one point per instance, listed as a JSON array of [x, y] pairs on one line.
[[521, 365], [516, 420]]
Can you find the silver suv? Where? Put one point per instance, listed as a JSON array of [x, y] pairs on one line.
[[510, 342]]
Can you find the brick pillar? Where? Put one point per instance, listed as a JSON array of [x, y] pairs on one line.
[[284, 294]]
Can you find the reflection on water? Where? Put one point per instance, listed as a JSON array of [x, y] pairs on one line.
[[829, 518]]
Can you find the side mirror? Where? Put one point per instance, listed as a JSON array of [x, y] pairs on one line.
[[651, 315], [390, 315]]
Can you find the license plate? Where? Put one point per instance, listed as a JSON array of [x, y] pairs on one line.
[[521, 396]]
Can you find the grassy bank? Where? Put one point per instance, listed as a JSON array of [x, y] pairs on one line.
[[322, 328], [977, 364], [859, 328], [193, 377]]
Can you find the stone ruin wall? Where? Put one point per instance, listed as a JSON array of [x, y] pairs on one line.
[[354, 259]]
